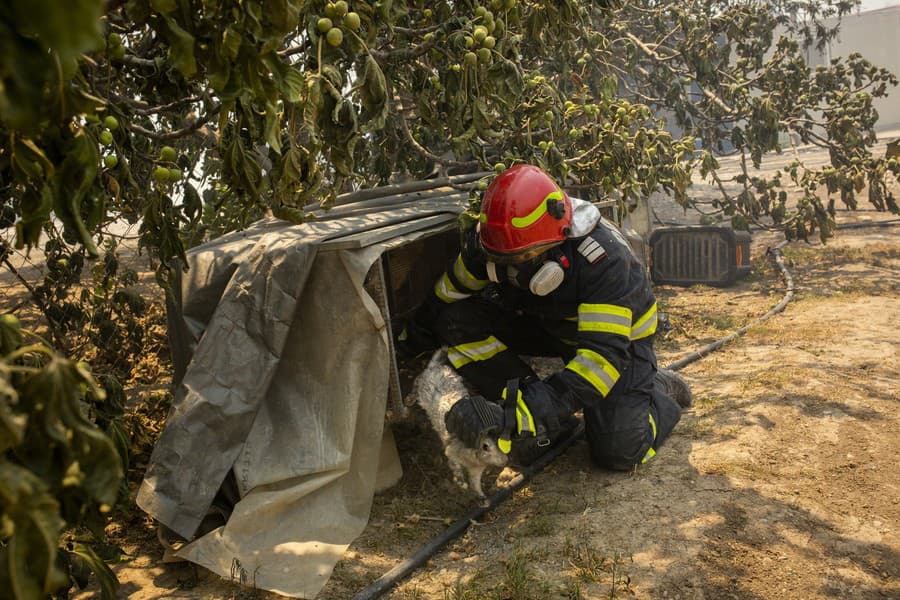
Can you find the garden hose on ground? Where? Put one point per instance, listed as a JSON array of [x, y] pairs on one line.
[[407, 566]]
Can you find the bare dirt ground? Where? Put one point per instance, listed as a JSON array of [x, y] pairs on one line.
[[782, 481]]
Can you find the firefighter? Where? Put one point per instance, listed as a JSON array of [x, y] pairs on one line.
[[543, 274]]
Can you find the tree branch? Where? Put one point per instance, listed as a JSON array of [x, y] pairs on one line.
[[178, 133], [425, 152], [59, 339]]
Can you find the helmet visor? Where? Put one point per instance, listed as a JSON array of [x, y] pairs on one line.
[[520, 256]]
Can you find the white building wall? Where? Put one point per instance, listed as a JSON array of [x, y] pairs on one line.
[[876, 35]]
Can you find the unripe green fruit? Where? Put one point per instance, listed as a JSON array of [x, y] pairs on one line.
[[496, 4], [455, 68], [548, 116], [574, 134], [117, 52], [110, 160], [480, 33], [341, 8], [351, 21], [113, 40], [174, 174], [11, 321], [330, 10], [111, 123], [471, 59], [542, 145], [499, 167], [167, 153], [509, 4], [489, 42], [92, 118], [427, 13], [324, 25], [106, 138], [479, 12], [335, 36], [161, 174], [469, 42], [484, 55]]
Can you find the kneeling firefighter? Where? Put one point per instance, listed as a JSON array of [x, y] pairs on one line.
[[543, 274]]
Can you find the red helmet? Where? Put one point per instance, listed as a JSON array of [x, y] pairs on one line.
[[523, 214]]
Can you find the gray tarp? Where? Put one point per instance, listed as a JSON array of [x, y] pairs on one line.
[[285, 366]]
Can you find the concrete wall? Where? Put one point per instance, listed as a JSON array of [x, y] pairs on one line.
[[876, 35]]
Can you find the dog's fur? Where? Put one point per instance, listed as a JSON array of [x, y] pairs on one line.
[[436, 389]]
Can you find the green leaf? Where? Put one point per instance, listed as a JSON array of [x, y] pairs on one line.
[[109, 585], [373, 96], [292, 86], [231, 42], [181, 48], [283, 15], [165, 7], [28, 565], [608, 87], [12, 425], [273, 128], [58, 384]]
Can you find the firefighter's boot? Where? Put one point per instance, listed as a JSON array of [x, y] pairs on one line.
[[675, 387]]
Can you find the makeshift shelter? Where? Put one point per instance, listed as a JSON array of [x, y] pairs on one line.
[[282, 343]]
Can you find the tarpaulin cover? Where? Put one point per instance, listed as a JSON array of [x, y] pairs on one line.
[[282, 368]]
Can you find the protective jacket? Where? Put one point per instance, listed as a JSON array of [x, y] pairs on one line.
[[603, 305], [600, 320]]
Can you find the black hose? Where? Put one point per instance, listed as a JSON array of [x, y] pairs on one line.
[[789, 282], [392, 577], [389, 579]]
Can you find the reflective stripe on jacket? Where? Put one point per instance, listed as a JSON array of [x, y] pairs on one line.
[[604, 303]]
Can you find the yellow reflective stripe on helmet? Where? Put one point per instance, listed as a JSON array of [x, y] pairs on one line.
[[447, 292], [524, 420], [605, 318], [463, 354], [598, 371], [466, 278], [646, 325], [539, 211]]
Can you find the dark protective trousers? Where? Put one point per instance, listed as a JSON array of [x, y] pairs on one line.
[[618, 428]]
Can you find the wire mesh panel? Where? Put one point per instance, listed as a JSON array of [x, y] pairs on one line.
[[401, 280]]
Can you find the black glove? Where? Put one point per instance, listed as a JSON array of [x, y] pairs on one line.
[[532, 414], [473, 417]]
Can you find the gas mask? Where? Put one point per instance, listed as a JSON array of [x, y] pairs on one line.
[[540, 275]]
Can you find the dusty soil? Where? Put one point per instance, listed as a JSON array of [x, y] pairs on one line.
[[780, 482]]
